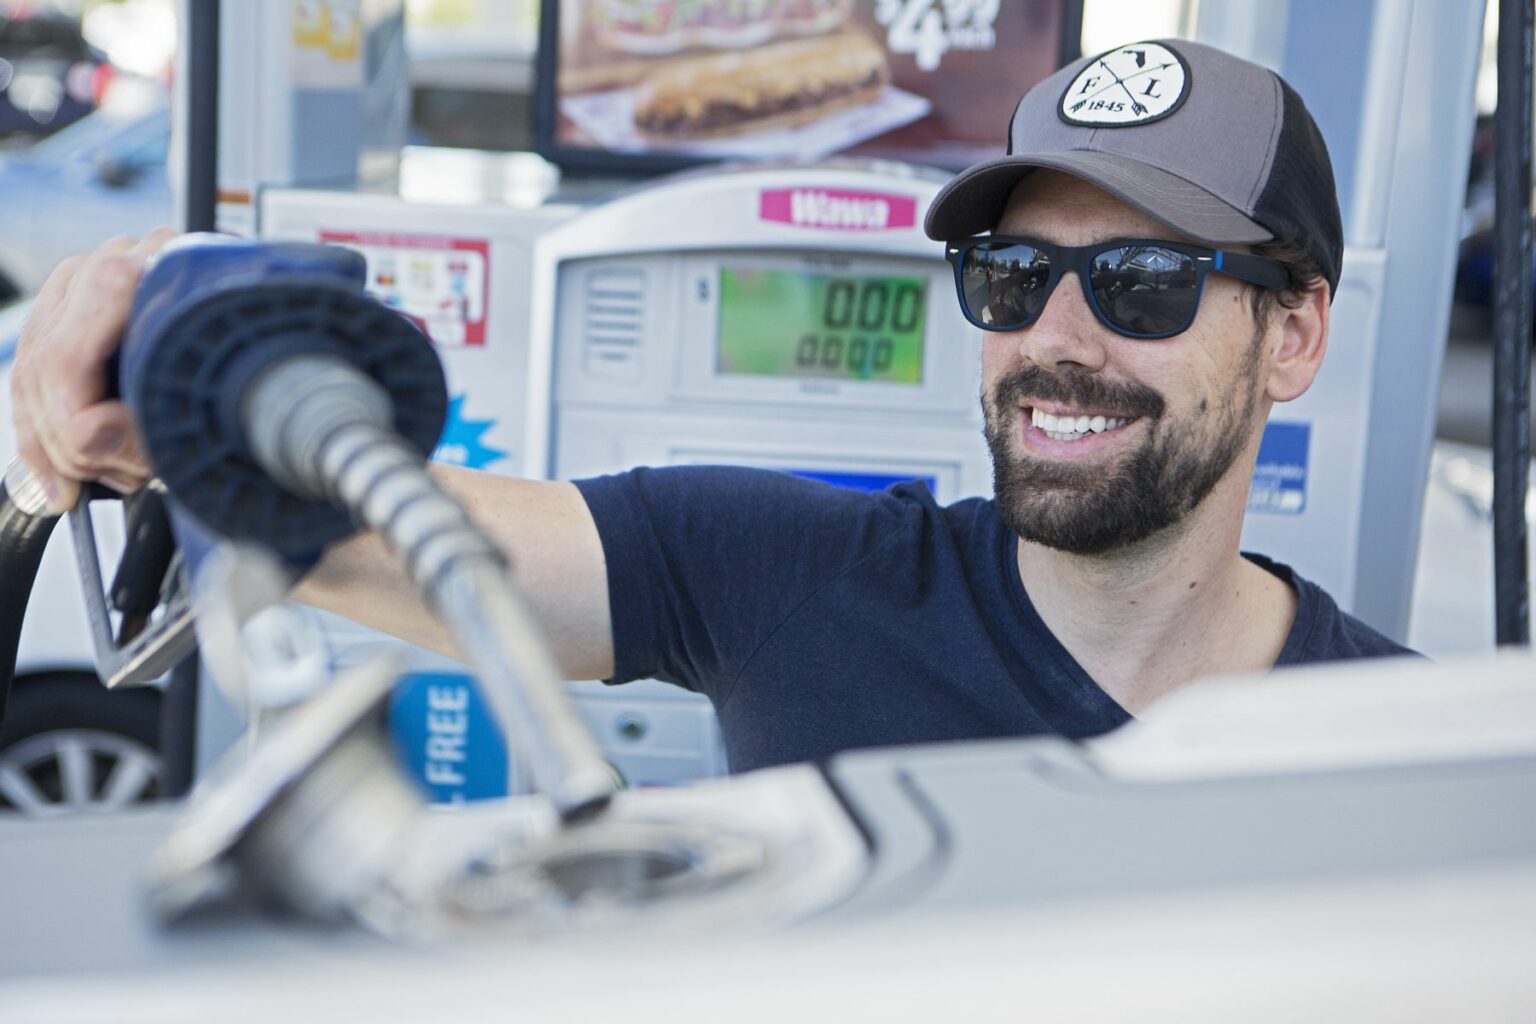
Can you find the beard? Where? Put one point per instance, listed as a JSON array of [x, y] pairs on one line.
[[1096, 509]]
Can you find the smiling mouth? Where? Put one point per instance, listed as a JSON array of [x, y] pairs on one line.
[[1069, 426]]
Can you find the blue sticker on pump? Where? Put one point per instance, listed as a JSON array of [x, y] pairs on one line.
[[444, 736], [1280, 477], [860, 481]]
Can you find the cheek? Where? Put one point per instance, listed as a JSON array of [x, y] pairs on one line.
[[999, 354], [1211, 367]]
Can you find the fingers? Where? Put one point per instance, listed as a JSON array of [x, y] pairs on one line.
[[68, 370], [67, 428], [100, 297], [50, 300], [102, 440], [46, 306], [60, 491], [151, 244]]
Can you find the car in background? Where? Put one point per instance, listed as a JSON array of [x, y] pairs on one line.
[[101, 177], [68, 744], [50, 77]]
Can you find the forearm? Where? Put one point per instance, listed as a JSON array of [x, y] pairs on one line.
[[362, 580], [550, 540]]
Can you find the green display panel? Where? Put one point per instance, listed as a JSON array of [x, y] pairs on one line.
[[791, 323]]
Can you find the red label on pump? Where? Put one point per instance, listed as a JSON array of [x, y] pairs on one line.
[[835, 209], [441, 283]]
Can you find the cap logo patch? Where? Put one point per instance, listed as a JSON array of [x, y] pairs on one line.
[[1127, 86]]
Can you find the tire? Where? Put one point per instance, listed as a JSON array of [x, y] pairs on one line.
[[71, 746]]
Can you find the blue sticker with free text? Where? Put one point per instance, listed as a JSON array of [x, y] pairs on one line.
[[444, 736]]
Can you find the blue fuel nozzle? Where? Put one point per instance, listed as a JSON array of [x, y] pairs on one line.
[[212, 314]]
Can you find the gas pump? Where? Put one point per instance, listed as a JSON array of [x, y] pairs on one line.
[[788, 317], [651, 329], [456, 260]]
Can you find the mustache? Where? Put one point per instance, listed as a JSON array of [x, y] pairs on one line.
[[1075, 387]]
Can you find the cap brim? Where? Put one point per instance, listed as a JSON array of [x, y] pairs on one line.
[[973, 202]]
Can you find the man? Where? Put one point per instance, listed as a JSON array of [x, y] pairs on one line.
[[1164, 241]]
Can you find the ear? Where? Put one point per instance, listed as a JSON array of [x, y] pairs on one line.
[[1299, 337]]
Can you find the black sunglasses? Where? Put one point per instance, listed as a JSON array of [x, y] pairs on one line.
[[1137, 287]]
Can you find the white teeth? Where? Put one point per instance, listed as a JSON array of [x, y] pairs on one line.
[[1070, 428]]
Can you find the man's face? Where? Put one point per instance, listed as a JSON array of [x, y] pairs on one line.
[[1190, 403]]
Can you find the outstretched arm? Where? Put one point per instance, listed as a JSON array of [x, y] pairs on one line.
[[548, 536]]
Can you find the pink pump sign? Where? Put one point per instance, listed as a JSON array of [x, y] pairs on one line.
[[833, 209]]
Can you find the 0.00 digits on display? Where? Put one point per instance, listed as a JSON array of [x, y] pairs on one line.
[[856, 355]]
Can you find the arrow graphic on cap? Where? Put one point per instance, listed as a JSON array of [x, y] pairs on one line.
[[1121, 83], [1136, 107]]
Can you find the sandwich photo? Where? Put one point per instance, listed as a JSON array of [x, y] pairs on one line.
[[684, 81], [781, 85]]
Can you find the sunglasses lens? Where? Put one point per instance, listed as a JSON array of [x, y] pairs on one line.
[[1004, 284], [1145, 289]]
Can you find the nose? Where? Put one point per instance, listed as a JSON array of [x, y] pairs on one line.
[[1066, 332]]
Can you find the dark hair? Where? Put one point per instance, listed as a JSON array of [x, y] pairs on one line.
[[1302, 274]]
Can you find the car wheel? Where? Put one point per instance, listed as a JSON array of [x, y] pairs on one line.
[[70, 746]]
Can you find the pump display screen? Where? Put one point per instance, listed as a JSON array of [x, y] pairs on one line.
[[793, 323]]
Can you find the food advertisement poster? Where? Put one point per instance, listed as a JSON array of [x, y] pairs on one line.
[[928, 81]]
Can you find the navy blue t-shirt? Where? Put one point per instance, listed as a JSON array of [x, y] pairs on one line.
[[820, 619]]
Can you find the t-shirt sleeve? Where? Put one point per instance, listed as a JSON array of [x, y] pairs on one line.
[[705, 562], [1325, 632]]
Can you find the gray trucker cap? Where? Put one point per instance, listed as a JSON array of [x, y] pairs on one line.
[[1217, 148]]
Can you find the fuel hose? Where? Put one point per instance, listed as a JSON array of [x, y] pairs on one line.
[[25, 525]]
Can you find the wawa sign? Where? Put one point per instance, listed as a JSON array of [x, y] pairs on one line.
[[832, 209]]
